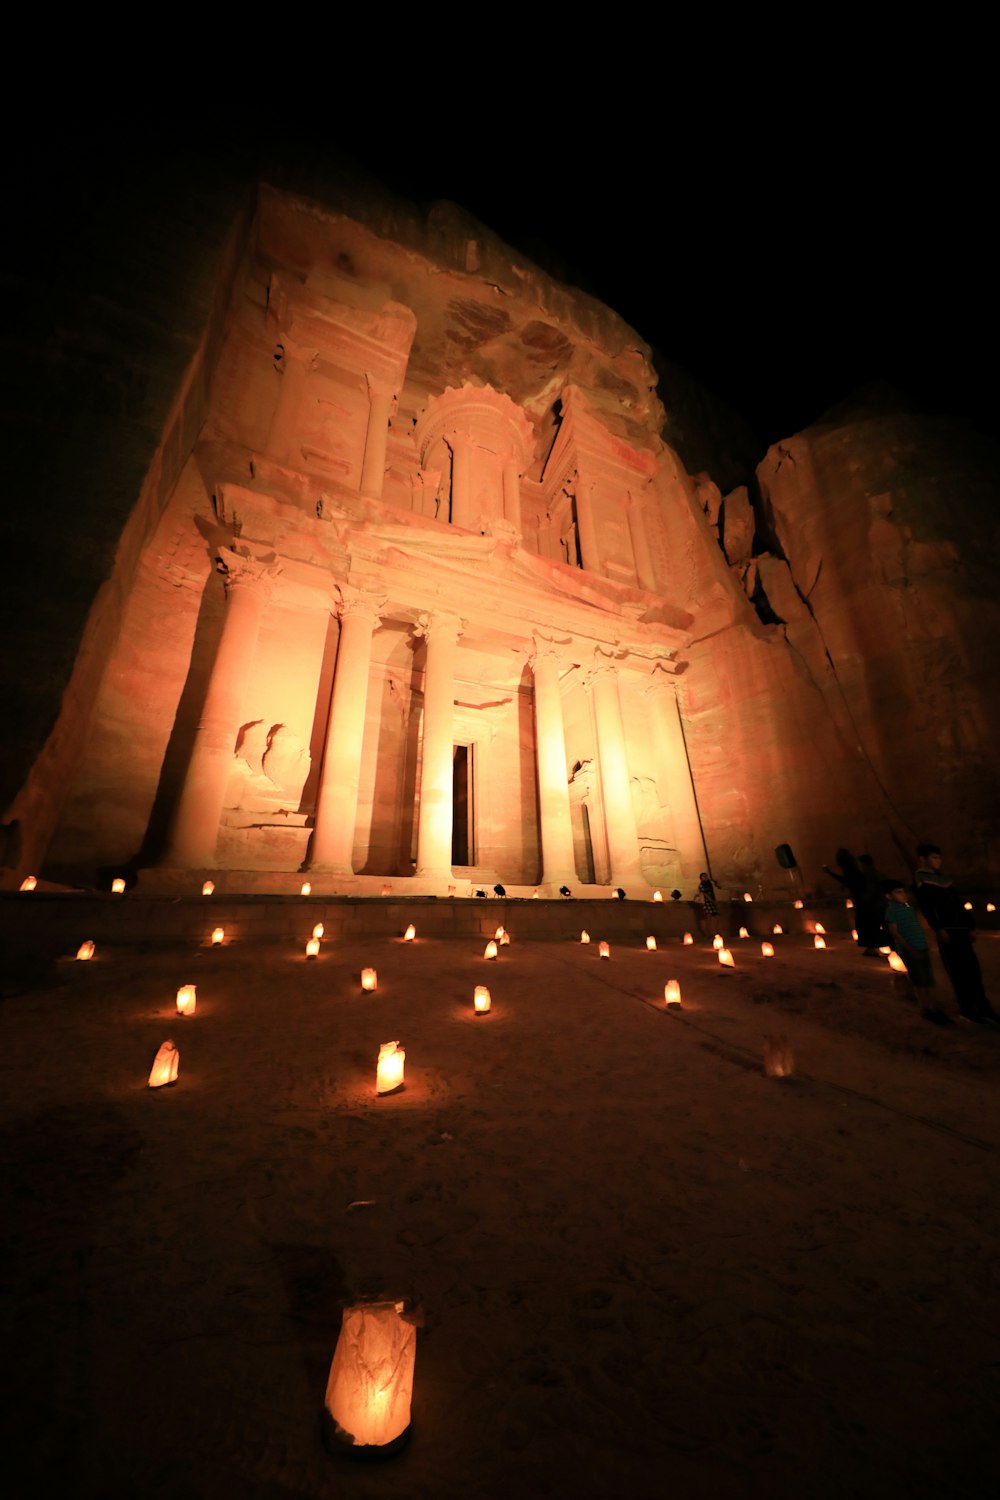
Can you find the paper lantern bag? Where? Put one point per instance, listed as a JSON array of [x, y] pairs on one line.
[[371, 1379]]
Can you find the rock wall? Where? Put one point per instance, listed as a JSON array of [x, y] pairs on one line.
[[858, 704], [838, 613]]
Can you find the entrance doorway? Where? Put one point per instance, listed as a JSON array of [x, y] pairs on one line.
[[463, 850]]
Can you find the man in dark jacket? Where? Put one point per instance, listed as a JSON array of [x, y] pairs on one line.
[[944, 910]]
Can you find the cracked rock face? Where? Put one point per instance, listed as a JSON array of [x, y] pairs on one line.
[[853, 699]]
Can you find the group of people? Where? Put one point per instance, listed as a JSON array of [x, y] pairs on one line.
[[885, 915], [884, 908]]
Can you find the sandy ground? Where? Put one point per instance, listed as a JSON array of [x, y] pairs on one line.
[[646, 1268]]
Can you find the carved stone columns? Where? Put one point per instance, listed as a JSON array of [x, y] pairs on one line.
[[616, 787], [590, 555], [558, 862], [461, 479], [340, 776], [512, 492], [640, 546], [676, 772], [380, 399], [436, 815], [195, 826]]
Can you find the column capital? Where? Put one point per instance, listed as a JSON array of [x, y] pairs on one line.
[[661, 682], [240, 570], [377, 385], [436, 624], [355, 602], [544, 649], [602, 667]]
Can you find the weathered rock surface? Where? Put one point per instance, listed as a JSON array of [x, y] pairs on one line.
[[834, 624]]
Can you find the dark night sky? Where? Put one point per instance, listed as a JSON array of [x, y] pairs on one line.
[[782, 287], [786, 246], [784, 261]]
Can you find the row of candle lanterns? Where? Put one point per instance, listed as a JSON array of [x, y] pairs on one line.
[[30, 883]]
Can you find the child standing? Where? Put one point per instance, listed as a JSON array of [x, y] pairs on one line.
[[908, 940]]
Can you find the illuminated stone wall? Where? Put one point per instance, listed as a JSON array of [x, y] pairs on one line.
[[426, 512]]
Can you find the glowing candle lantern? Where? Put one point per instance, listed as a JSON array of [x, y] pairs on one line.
[[368, 1394], [777, 929], [747, 896], [535, 896], [29, 882], [369, 979], [387, 890], [895, 962], [208, 889], [849, 904], [409, 934], [968, 906], [885, 952], [854, 934], [505, 940], [312, 948], [990, 906], [717, 942], [491, 950], [118, 885], [778, 1061], [687, 940], [187, 999], [651, 944], [819, 942], [726, 959], [585, 936], [481, 1000], [798, 905], [165, 1066], [389, 1074], [604, 950], [744, 933], [819, 927], [218, 936], [306, 889], [672, 992], [85, 950], [767, 949], [657, 896], [499, 934], [318, 930]]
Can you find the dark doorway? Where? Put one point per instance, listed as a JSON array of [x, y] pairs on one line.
[[461, 828]]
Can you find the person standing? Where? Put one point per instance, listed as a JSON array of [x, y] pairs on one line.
[[705, 899], [910, 943], [941, 905], [865, 890]]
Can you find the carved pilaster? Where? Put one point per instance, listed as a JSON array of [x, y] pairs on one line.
[[360, 615], [675, 770], [194, 828], [558, 863], [616, 786], [441, 632]]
